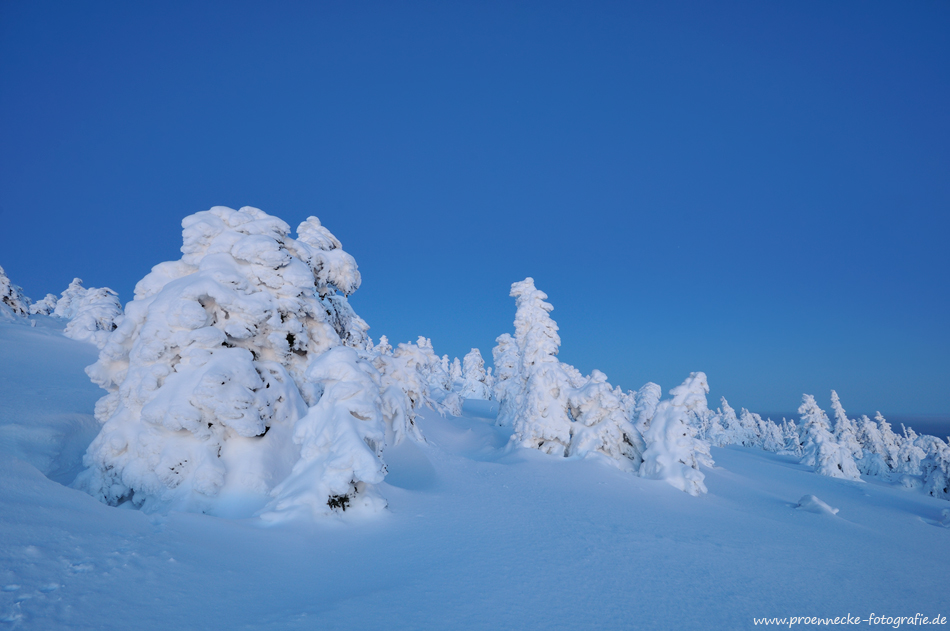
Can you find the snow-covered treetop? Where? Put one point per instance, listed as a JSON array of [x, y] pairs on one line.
[[68, 303], [44, 306], [535, 331], [691, 394], [810, 413]]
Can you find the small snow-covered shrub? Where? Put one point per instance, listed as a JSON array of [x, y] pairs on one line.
[[223, 392], [474, 378], [44, 306], [95, 317], [13, 297]]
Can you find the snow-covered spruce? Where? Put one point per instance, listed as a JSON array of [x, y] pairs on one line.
[[474, 384], [214, 365], [792, 440], [68, 302], [874, 454], [909, 457], [820, 449], [95, 317], [404, 378], [44, 306], [551, 405], [845, 431], [12, 296], [673, 452], [508, 380], [541, 420], [644, 406], [601, 425]]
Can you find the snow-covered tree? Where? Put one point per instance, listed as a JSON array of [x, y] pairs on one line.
[[541, 420], [69, 300], [672, 447], [737, 430], [221, 382], [12, 296], [791, 438], [772, 437], [909, 455], [455, 373], [404, 376], [874, 454], [509, 382], [341, 441], [474, 377], [644, 406], [845, 432], [44, 306], [892, 441], [691, 395], [820, 449], [750, 422], [95, 316], [715, 433], [936, 470], [602, 426]]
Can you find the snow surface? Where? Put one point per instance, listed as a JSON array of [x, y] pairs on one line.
[[476, 535]]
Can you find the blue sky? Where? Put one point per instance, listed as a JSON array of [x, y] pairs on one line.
[[757, 190]]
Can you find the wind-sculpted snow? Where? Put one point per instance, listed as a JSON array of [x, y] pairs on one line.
[[214, 365]]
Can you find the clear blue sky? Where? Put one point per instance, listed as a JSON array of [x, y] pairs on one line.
[[758, 190]]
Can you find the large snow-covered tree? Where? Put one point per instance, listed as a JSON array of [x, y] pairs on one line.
[[541, 420], [220, 379]]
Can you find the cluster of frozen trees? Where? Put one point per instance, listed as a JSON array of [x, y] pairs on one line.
[[91, 314], [845, 448], [241, 381], [552, 407]]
